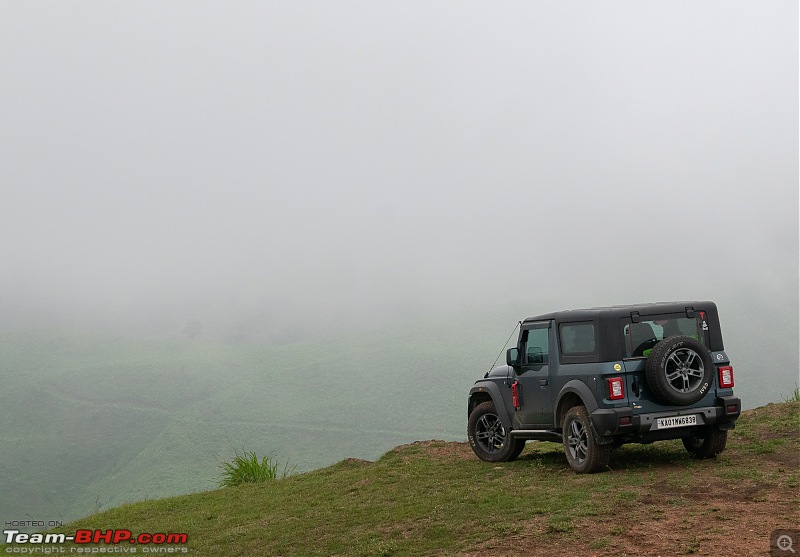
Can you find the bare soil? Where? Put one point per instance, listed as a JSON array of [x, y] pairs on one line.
[[724, 507]]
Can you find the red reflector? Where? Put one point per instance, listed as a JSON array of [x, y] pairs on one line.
[[732, 409], [515, 393], [625, 420], [616, 388], [726, 377]]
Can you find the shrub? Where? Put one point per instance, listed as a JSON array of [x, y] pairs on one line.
[[245, 467]]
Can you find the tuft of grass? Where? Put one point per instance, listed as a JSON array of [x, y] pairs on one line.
[[600, 543], [795, 396], [246, 468], [616, 530], [692, 545], [767, 446], [560, 525]]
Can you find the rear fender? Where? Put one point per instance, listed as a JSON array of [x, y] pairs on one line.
[[574, 392], [577, 392]]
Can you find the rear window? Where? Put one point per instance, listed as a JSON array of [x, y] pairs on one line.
[[640, 338]]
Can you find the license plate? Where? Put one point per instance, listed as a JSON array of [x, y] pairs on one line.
[[677, 421]]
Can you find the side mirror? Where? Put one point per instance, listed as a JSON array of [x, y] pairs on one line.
[[512, 357]]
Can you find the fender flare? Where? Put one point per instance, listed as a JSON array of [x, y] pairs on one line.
[[581, 390], [491, 390]]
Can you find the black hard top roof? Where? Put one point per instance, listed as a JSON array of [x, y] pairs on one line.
[[622, 311]]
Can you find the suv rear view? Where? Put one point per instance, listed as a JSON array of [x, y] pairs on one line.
[[597, 378]]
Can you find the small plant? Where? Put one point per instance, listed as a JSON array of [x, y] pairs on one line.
[[560, 525], [600, 543], [795, 396], [245, 467]]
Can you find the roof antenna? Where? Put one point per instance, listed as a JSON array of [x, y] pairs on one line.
[[504, 346]]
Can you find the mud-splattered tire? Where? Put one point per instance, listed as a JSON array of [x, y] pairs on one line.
[[706, 442], [583, 453], [520, 446], [489, 438]]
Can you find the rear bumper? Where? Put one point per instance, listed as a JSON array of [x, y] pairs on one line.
[[612, 422]]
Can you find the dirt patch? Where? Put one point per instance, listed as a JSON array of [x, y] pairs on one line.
[[451, 451], [710, 508], [715, 490], [728, 506], [659, 527], [356, 462], [790, 460], [435, 450]]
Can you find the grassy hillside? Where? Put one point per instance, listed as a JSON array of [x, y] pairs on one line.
[[436, 498]]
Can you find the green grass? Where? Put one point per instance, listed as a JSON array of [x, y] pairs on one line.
[[245, 467], [436, 498], [777, 425], [404, 504]]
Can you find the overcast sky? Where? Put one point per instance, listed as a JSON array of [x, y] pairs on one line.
[[343, 159]]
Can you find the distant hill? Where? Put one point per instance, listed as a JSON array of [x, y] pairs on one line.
[[91, 421], [436, 498]]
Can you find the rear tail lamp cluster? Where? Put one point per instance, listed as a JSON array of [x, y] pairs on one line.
[[616, 388], [726, 377]]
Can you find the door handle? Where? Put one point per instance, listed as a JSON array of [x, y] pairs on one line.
[[543, 382]]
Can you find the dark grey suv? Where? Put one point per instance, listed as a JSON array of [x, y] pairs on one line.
[[597, 378]]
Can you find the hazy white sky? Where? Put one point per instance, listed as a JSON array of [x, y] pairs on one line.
[[342, 159]]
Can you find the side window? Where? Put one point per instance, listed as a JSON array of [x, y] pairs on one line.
[[536, 347], [577, 338]]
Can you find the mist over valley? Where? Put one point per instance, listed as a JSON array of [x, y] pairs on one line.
[[306, 229]]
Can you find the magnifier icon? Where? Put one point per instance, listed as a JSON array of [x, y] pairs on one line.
[[785, 543]]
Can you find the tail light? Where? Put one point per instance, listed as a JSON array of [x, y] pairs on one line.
[[515, 394], [725, 377], [616, 388]]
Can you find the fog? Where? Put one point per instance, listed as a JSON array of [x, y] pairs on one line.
[[306, 228], [295, 167]]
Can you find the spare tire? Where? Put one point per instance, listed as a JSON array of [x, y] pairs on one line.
[[679, 370]]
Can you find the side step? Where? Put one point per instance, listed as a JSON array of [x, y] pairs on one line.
[[537, 434]]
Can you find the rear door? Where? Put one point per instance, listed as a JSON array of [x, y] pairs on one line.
[[641, 336]]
